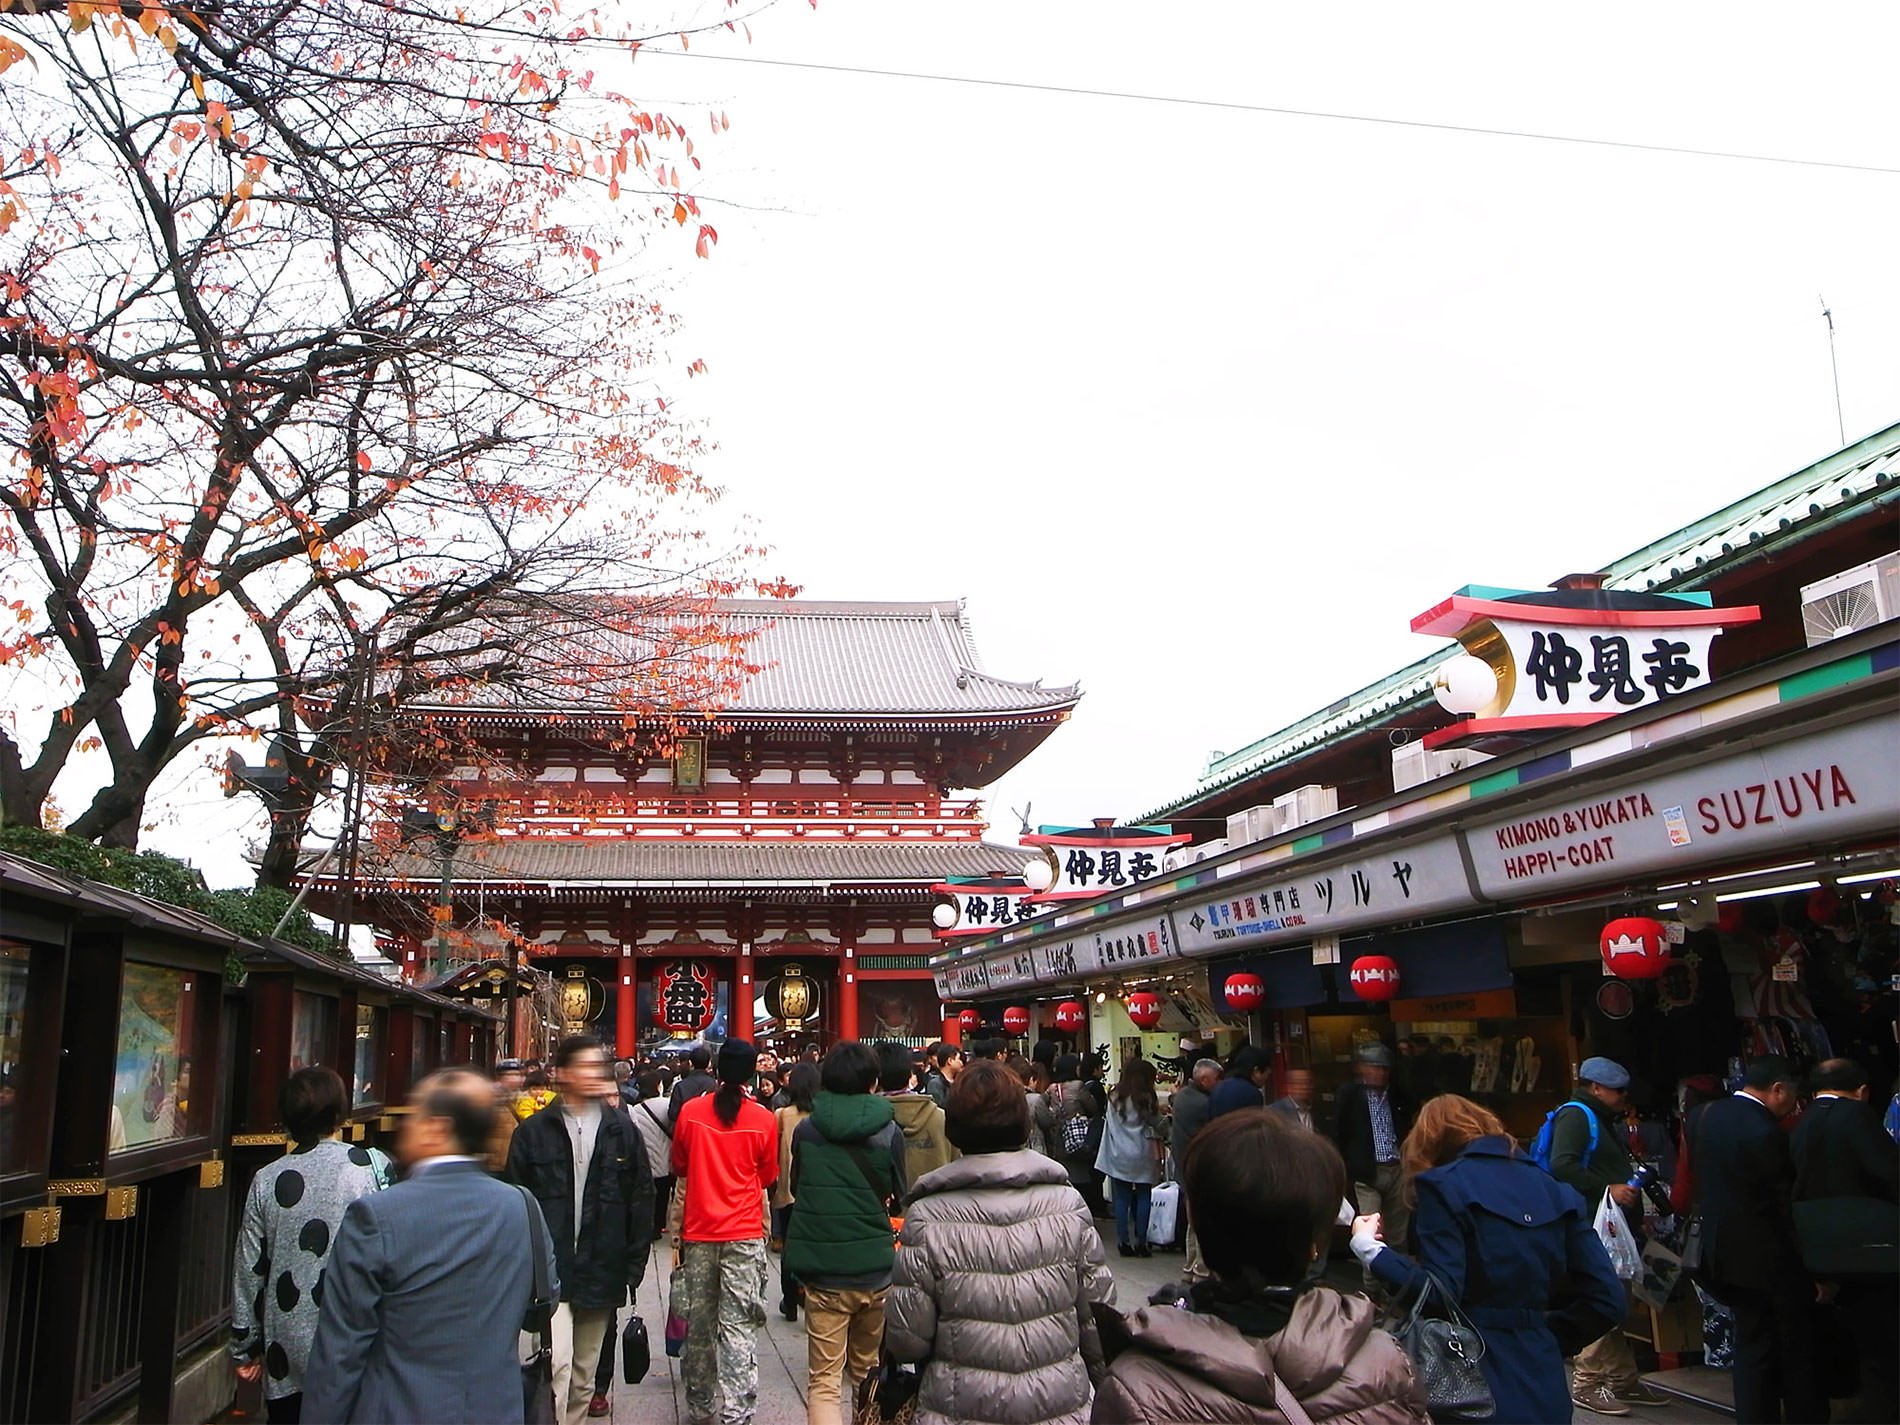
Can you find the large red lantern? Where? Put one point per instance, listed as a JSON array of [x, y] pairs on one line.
[[1244, 992], [1144, 1009], [1635, 948], [1015, 1020], [1070, 1016], [1375, 977], [970, 1020], [684, 1000]]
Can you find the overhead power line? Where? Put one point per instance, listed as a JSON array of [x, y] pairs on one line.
[[1236, 106]]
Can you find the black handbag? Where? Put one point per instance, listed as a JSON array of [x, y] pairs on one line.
[[537, 1372], [1445, 1352], [636, 1355], [887, 1395]]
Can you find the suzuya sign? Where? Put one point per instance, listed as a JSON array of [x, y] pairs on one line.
[[1572, 656], [1826, 788]]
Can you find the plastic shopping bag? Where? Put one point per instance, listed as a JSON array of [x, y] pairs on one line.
[[1614, 1230]]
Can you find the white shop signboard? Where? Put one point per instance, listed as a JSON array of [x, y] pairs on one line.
[[1010, 968], [1417, 879], [966, 979], [1823, 788]]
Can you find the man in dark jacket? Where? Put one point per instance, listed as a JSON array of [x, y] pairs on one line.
[[848, 1171], [1370, 1120], [697, 1080], [1603, 1377], [1751, 1261], [1841, 1151], [584, 1164]]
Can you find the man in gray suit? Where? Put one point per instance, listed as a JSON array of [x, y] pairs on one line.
[[427, 1284], [1297, 1107]]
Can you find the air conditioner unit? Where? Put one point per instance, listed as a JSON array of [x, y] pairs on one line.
[[1253, 824], [1305, 804], [1851, 600], [1183, 856], [1414, 763]]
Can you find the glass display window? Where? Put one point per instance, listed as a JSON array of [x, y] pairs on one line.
[[372, 1032], [152, 1060], [312, 1031]]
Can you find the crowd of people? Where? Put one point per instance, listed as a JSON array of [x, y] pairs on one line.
[[935, 1220]]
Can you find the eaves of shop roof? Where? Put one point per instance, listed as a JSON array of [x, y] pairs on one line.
[[22, 877], [1790, 509], [624, 861], [1844, 484], [829, 659]]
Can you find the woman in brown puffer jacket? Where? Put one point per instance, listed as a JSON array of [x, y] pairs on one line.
[[998, 1272], [1263, 1198]]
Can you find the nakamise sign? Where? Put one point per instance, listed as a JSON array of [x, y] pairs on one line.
[[1829, 787]]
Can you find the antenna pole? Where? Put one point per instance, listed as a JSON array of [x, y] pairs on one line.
[[1834, 361]]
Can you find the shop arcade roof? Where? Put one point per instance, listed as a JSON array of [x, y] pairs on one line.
[[1848, 484]]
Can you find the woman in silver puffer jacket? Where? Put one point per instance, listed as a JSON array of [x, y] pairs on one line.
[[998, 1269]]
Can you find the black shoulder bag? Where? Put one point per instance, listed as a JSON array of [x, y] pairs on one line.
[[537, 1372], [1445, 1354]]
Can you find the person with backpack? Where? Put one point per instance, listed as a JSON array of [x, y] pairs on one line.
[[918, 1114], [1588, 1150], [1079, 1104], [847, 1169]]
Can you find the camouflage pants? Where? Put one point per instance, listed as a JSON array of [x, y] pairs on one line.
[[719, 1287]]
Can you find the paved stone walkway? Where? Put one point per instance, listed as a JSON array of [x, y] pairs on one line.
[[659, 1399]]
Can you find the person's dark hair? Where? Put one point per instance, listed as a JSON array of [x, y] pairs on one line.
[[700, 1057], [986, 1110], [652, 1084], [1019, 1066], [988, 1048], [1137, 1086], [1262, 1196], [575, 1045], [849, 1067], [466, 1101], [1769, 1070], [536, 1079], [894, 1066], [1039, 1079], [1247, 1058], [738, 1061], [1837, 1076], [1045, 1051], [940, 1051], [1068, 1066], [801, 1085], [312, 1102]]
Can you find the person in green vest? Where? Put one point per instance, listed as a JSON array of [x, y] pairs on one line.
[[847, 1175]]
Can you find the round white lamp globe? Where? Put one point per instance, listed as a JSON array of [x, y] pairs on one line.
[[1464, 684], [1038, 874], [943, 915]]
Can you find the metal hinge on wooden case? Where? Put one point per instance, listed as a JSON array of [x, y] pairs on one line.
[[39, 1227], [211, 1173]]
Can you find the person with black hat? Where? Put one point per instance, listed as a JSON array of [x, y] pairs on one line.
[[1371, 1119], [1589, 1150], [725, 1152]]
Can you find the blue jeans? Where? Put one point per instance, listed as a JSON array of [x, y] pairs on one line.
[[1131, 1200]]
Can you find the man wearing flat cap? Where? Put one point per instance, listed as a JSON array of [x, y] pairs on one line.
[[1604, 1378], [1371, 1119]]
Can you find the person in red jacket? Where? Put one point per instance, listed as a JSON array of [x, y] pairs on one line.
[[725, 1152]]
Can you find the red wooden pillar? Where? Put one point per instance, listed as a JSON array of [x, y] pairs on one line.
[[739, 1021], [848, 988], [626, 1033]]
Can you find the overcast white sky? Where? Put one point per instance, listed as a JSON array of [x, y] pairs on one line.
[[1200, 406]]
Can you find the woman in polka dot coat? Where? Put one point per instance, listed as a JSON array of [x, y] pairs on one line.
[[291, 1215]]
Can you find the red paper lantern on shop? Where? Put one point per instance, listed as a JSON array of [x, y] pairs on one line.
[[1244, 992], [970, 1020], [1144, 1009], [1070, 1016], [1375, 977], [1015, 1020], [1635, 948]]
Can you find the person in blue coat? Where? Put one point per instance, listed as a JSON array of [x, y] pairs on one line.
[[1508, 1241]]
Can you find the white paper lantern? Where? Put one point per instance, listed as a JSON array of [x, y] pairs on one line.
[[1464, 684]]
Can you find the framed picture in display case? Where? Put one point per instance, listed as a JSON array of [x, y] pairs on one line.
[[372, 1033], [312, 1031], [152, 1057]]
